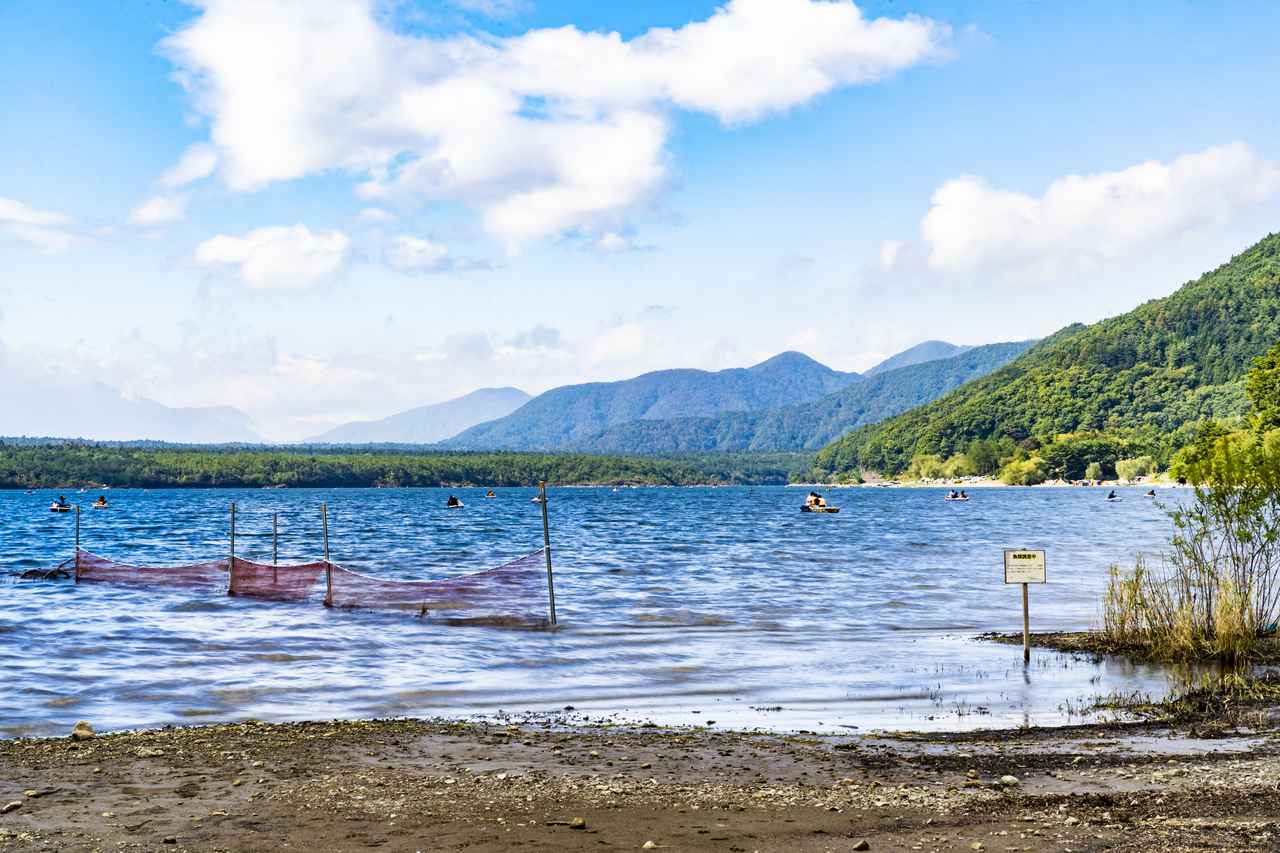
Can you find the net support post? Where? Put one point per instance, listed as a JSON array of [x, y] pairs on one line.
[[231, 556], [77, 555], [275, 547], [328, 567], [546, 550]]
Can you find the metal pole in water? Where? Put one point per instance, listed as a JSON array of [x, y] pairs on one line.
[[77, 543], [1026, 626], [328, 567], [275, 542], [546, 549], [231, 562]]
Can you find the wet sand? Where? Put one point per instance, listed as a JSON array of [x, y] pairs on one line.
[[573, 785]]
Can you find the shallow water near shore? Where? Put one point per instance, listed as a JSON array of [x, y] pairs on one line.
[[678, 606]]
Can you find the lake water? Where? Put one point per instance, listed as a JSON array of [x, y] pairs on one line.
[[676, 605]]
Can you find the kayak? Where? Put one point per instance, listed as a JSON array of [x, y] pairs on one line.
[[458, 505], [955, 500], [1114, 500], [819, 509], [60, 508]]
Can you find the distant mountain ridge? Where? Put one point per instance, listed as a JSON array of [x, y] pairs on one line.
[[811, 425], [94, 410], [430, 424], [1154, 372], [918, 354], [567, 416]]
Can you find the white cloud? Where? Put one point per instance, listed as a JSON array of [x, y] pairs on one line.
[[413, 254], [278, 257], [375, 214], [159, 210], [613, 243], [549, 132], [889, 251], [196, 163], [491, 8], [40, 228], [972, 225]]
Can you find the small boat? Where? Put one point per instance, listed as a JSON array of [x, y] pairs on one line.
[[57, 507], [831, 509], [490, 495], [1114, 500], [955, 500]]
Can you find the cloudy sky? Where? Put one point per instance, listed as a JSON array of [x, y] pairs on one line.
[[320, 210]]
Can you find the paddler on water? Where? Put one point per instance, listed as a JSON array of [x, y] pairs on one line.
[[1112, 496], [815, 500], [453, 501], [101, 502]]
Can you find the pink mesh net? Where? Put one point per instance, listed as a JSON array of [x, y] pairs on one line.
[[92, 567], [513, 593], [294, 582]]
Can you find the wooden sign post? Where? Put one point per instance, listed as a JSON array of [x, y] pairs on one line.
[[1025, 567]]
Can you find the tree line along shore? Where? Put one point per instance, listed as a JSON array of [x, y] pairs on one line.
[[68, 464]]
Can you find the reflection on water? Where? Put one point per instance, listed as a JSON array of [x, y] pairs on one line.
[[677, 605]]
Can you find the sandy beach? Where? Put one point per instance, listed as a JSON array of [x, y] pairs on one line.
[[571, 784]]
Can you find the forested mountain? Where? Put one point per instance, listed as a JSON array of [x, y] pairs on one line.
[[1140, 376], [810, 425], [918, 354], [562, 418], [429, 424]]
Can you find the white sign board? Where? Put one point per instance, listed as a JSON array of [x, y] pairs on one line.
[[1024, 567]]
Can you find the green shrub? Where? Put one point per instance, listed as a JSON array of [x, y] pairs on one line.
[[1132, 469], [1093, 471], [1026, 472]]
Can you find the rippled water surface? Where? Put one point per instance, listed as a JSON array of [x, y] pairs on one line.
[[676, 605]]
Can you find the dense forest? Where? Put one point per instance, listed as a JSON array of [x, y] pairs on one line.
[[1133, 385], [33, 464]]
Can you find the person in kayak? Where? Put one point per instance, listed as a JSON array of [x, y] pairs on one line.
[[101, 502], [814, 500], [1112, 496], [453, 501]]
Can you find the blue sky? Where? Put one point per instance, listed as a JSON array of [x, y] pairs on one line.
[[389, 204]]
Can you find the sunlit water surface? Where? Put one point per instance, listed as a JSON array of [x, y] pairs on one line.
[[676, 605]]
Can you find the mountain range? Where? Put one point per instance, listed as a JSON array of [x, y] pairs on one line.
[[1151, 374], [58, 406], [430, 424], [811, 425], [567, 417]]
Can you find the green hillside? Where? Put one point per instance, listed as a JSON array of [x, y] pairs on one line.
[[809, 425], [1136, 382], [565, 417]]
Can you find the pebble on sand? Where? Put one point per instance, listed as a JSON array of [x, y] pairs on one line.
[[82, 731]]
